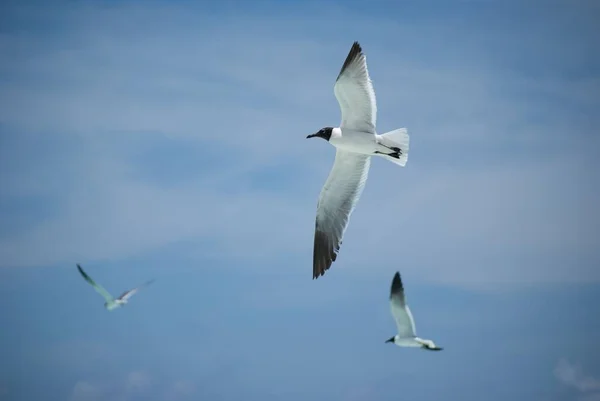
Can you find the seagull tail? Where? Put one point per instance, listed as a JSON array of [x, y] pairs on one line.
[[397, 138]]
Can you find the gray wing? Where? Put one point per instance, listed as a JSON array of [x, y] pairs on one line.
[[355, 94], [128, 294], [99, 289], [337, 200], [400, 310]]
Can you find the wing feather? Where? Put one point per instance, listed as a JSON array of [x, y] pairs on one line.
[[337, 201], [355, 94], [128, 294], [99, 289], [400, 310]]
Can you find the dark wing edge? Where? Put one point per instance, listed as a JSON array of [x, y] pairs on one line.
[[147, 283], [324, 252], [85, 276], [123, 295], [332, 220], [397, 289], [354, 54], [136, 289]]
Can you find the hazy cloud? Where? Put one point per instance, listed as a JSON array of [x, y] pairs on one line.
[[573, 376], [180, 390], [86, 391], [136, 383], [500, 185]]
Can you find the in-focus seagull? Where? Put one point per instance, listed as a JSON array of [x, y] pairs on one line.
[[407, 332], [111, 303], [356, 141]]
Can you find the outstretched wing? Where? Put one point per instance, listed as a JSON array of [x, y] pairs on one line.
[[400, 310], [128, 294], [337, 200], [355, 94], [101, 290]]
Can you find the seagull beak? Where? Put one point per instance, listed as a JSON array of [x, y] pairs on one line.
[[312, 135], [391, 340]]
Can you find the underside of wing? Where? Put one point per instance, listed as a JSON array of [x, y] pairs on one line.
[[397, 290], [355, 94], [99, 289], [400, 310], [337, 200], [128, 294], [404, 320]]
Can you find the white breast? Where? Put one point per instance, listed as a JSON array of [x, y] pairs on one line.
[[353, 141]]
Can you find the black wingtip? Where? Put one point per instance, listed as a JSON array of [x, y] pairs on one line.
[[324, 253], [83, 273], [353, 54], [397, 285]]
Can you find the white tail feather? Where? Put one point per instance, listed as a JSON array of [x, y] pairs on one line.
[[397, 138]]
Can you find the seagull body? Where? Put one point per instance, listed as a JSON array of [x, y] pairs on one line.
[[111, 303], [355, 140], [407, 332]]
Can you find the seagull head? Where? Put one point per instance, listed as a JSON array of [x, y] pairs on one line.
[[391, 340], [324, 133]]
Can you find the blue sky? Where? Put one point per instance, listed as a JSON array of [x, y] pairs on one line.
[[113, 118]]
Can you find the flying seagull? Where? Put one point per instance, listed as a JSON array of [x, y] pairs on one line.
[[407, 332], [111, 303], [356, 141]]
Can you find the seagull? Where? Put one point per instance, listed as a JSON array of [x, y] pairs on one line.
[[407, 332], [112, 303], [356, 141]]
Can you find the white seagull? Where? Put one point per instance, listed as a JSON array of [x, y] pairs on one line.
[[356, 141], [407, 332], [111, 303]]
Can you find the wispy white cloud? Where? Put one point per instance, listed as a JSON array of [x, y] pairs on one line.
[[135, 385], [138, 382], [573, 376], [518, 212], [68, 355], [591, 397], [180, 390], [92, 391]]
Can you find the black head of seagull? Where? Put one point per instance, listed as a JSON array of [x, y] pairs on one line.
[[324, 133], [391, 340]]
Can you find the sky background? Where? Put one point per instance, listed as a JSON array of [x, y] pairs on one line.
[[166, 140]]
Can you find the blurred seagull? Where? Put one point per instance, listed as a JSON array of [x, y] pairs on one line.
[[356, 141], [112, 303], [407, 332]]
